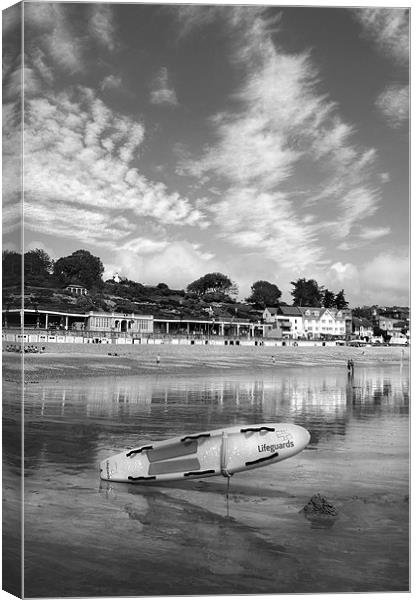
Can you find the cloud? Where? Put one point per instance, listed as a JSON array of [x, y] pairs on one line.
[[190, 17], [11, 167], [35, 244], [280, 127], [101, 25], [176, 263], [387, 278], [383, 279], [280, 116], [393, 103], [266, 224], [49, 31], [357, 204], [75, 221], [81, 173], [389, 29], [374, 233], [162, 92], [344, 276], [111, 82], [51, 35]]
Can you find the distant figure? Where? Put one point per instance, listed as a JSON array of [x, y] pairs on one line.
[[350, 367], [158, 359], [273, 360]]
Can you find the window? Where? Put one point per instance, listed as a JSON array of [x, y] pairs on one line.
[[144, 325]]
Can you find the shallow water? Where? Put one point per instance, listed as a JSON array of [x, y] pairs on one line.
[[84, 537]]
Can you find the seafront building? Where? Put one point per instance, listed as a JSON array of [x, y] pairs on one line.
[[297, 322], [283, 325], [48, 325], [285, 322]]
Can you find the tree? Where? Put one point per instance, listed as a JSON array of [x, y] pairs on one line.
[[264, 294], [212, 283], [363, 312], [80, 267], [306, 293], [37, 266], [328, 299], [12, 268], [340, 301]]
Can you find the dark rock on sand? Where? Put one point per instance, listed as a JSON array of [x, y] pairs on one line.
[[319, 505], [319, 512]]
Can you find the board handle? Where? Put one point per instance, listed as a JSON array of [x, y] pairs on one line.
[[139, 450], [259, 460], [264, 428], [140, 478], [199, 472], [195, 437]]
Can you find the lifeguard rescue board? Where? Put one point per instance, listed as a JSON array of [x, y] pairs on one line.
[[218, 452]]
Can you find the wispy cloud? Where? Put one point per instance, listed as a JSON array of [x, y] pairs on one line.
[[281, 123], [51, 34], [393, 103], [266, 224], [388, 28], [12, 165], [357, 204], [49, 30], [80, 156], [374, 233], [190, 18], [92, 225], [162, 91], [101, 25]]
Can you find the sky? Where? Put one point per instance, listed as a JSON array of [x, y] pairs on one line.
[[264, 142]]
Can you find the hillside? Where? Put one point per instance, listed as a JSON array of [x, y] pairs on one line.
[[159, 301]]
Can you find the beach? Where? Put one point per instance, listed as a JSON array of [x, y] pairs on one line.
[[82, 405], [73, 361]]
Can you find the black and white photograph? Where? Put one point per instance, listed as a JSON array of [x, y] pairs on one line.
[[205, 299]]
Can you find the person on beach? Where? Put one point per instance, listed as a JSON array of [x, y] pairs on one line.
[[158, 359], [350, 366]]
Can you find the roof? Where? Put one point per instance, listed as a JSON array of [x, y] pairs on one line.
[[312, 310], [290, 311], [357, 321], [316, 312], [272, 310]]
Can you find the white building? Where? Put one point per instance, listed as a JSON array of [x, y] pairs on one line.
[[323, 322]]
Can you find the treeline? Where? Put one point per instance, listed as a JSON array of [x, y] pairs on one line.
[[82, 268]]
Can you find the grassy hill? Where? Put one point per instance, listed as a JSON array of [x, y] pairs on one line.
[[130, 297]]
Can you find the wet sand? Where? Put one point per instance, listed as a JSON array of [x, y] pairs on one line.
[[184, 537], [124, 539], [65, 361]]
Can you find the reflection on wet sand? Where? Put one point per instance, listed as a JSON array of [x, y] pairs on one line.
[[323, 403], [329, 394]]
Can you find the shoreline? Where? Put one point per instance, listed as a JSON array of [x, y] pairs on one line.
[[63, 362]]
